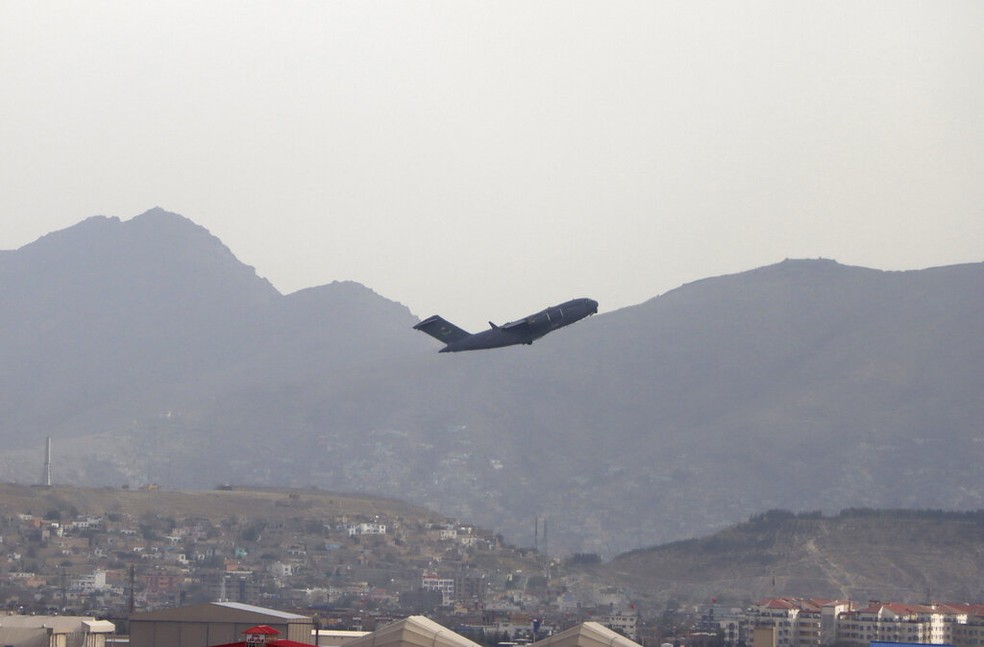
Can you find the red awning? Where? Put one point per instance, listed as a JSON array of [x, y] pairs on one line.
[[264, 630]]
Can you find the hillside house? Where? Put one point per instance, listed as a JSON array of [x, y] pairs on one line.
[[366, 529]]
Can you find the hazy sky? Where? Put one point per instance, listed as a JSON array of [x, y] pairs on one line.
[[486, 159]]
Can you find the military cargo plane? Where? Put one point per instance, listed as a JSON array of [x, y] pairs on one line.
[[521, 331]]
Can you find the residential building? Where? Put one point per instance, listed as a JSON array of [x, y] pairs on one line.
[[971, 632], [796, 621], [367, 529], [85, 584], [431, 582], [623, 621], [898, 622]]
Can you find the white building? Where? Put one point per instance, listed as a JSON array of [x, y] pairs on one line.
[[797, 622], [84, 584], [367, 529]]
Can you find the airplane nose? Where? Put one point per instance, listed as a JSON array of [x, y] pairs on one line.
[[592, 306]]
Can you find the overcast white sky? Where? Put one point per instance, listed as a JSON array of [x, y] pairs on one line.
[[486, 159]]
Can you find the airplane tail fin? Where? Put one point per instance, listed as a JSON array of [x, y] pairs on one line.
[[441, 330]]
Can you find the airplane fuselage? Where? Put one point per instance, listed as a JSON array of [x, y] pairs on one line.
[[521, 331]]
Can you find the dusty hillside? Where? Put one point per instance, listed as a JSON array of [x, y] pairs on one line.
[[270, 504], [858, 555]]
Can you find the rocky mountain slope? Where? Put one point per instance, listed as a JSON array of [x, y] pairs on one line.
[[858, 554], [150, 354]]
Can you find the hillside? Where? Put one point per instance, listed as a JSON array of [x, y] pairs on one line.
[[857, 554], [296, 549], [151, 355], [271, 504], [860, 554]]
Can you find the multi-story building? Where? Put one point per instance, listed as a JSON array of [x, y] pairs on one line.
[[830, 613], [971, 632], [232, 587], [162, 581], [431, 582], [722, 618], [898, 622], [85, 584], [469, 588], [797, 622], [623, 621]]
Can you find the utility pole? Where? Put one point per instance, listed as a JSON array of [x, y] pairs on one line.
[[133, 577]]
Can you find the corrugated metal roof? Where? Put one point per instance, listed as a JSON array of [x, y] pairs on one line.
[[222, 612], [239, 606]]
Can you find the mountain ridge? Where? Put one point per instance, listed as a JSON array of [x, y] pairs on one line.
[[849, 386]]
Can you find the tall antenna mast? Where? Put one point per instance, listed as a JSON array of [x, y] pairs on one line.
[[545, 551], [46, 474]]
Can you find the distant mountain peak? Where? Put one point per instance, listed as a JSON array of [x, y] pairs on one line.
[[158, 254], [810, 261], [160, 216], [159, 211], [158, 222], [111, 230]]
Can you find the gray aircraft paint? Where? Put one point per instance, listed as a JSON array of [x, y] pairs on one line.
[[522, 331]]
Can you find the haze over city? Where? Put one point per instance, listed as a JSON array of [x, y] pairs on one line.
[[484, 160]]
